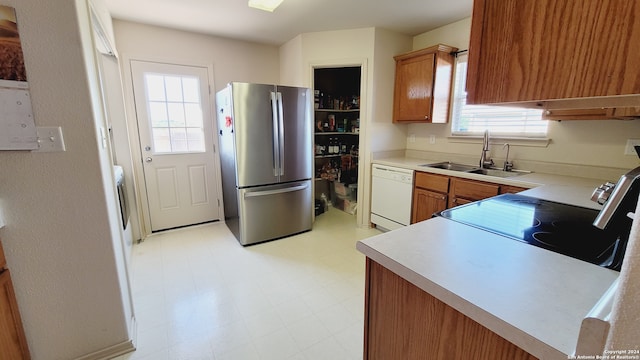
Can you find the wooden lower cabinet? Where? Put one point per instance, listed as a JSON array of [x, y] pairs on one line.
[[404, 322], [429, 195], [426, 203], [13, 343], [433, 193], [464, 191]]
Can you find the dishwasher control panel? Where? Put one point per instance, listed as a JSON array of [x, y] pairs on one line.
[[395, 174]]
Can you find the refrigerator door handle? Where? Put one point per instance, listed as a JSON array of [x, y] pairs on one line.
[[276, 148], [278, 191], [281, 132]]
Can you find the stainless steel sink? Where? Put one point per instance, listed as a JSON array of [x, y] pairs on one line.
[[499, 172], [447, 165]]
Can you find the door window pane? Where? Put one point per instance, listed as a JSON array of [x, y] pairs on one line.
[[193, 115], [173, 88], [195, 139], [175, 113], [179, 140], [191, 89], [155, 87], [161, 141], [158, 114]]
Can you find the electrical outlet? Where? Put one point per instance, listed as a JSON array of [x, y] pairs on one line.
[[629, 150], [412, 138], [432, 139]]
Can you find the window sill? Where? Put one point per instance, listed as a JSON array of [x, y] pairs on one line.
[[514, 141]]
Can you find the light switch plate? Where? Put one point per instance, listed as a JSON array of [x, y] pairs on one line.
[[629, 150], [50, 139]]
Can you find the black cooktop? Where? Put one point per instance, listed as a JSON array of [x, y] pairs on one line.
[[558, 227]]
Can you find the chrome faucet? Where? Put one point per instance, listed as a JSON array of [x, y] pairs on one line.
[[508, 165], [484, 163]]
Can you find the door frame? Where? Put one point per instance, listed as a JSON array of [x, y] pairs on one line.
[[364, 170], [140, 187]]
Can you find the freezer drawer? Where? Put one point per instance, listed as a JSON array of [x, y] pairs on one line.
[[272, 212]]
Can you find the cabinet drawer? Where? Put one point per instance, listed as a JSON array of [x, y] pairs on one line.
[[473, 190], [433, 182], [509, 189]]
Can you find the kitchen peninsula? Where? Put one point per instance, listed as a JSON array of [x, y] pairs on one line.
[[439, 289]]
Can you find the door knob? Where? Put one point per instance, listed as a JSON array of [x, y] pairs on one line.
[[149, 159]]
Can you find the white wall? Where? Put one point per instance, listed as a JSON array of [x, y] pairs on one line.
[[60, 207], [292, 68], [232, 60], [598, 143]]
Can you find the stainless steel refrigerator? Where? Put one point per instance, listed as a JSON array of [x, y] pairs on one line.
[[265, 134]]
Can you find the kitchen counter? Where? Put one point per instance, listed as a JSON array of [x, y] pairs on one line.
[[560, 188], [532, 297]]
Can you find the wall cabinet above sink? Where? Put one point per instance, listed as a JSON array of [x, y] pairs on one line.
[[555, 50]]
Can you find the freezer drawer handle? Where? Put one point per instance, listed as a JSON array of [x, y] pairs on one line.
[[273, 192]]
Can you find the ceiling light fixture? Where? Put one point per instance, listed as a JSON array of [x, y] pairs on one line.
[[266, 5]]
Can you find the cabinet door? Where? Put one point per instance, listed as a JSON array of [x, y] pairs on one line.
[[414, 88], [13, 344], [404, 322], [426, 203], [423, 85], [552, 49]]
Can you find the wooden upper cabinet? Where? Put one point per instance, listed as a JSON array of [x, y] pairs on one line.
[[423, 85], [625, 113], [532, 51]]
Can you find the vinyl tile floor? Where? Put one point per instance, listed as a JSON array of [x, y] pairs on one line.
[[199, 295]]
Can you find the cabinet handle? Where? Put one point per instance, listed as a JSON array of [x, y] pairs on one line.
[[426, 117], [548, 112]]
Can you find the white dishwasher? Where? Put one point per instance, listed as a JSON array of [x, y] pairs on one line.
[[391, 190]]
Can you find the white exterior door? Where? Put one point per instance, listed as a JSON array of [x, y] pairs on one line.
[[175, 124]]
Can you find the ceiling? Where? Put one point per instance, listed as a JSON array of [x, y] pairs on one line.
[[234, 19]]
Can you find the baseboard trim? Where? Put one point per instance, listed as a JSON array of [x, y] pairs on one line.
[[111, 352]]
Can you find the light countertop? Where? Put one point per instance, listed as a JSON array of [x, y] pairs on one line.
[[532, 297], [561, 188]]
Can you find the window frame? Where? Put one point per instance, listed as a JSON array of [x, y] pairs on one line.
[[458, 100]]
